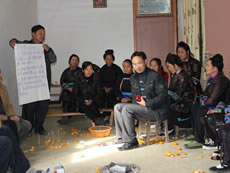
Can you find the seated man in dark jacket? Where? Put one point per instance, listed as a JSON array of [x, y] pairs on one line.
[[151, 89]]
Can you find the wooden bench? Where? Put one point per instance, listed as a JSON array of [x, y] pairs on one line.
[[56, 111], [148, 129]]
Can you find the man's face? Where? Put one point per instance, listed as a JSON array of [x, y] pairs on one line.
[[39, 36], [0, 77], [138, 64]]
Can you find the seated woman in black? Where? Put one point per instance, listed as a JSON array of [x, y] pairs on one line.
[[190, 65], [109, 74], [180, 92], [67, 81], [213, 94], [123, 87], [88, 94]]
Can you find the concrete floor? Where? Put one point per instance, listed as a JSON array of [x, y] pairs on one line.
[[85, 155]]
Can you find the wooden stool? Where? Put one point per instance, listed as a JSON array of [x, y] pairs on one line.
[[177, 129], [148, 128], [111, 114]]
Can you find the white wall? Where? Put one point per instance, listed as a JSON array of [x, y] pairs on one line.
[[16, 19], [74, 26]]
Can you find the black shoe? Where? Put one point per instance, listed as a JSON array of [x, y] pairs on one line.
[[117, 141], [128, 146], [220, 167], [99, 122], [42, 132], [63, 120], [171, 132]]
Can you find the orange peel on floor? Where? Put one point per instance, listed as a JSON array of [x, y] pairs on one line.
[[141, 141], [64, 144], [87, 134], [174, 143], [58, 140], [179, 148], [76, 140]]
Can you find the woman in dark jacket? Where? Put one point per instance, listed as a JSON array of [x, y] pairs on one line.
[[123, 87], [213, 94], [190, 65], [109, 74], [180, 91], [155, 64], [88, 94], [67, 79]]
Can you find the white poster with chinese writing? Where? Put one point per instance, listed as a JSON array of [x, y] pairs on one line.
[[31, 73]]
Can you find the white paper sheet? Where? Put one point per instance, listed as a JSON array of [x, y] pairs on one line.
[[31, 73]]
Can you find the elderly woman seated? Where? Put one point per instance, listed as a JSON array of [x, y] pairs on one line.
[[67, 81], [213, 94]]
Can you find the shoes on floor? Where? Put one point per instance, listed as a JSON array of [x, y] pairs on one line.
[[220, 167], [41, 131], [128, 146], [171, 132], [99, 122], [189, 138], [193, 145], [117, 141], [210, 145], [63, 120]]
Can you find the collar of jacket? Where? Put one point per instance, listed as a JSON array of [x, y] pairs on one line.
[[137, 75]]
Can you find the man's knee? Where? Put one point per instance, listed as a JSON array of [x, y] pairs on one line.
[[118, 107], [5, 145]]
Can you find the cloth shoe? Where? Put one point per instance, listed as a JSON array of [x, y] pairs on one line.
[[63, 120], [99, 122], [189, 138], [193, 145]]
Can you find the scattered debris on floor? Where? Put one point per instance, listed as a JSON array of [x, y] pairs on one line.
[[30, 150], [176, 154], [198, 171], [119, 167]]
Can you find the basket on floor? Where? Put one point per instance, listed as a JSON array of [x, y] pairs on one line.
[[100, 131]]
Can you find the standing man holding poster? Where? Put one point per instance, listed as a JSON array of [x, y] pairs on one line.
[[36, 111]]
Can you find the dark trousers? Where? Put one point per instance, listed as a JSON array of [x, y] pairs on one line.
[[198, 127], [91, 111], [124, 116], [110, 99], [224, 134], [35, 113], [182, 120], [11, 153], [13, 127]]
